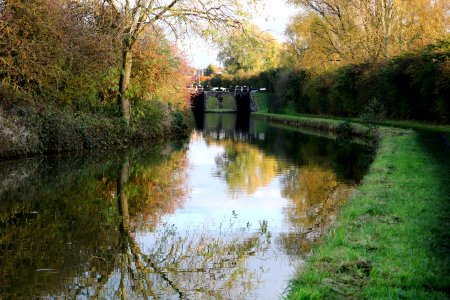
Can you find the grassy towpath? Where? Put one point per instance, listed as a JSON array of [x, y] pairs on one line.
[[392, 239]]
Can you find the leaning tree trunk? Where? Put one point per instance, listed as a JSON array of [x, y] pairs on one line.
[[125, 74]]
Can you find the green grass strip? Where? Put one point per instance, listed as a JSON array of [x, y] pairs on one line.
[[220, 110], [392, 239], [421, 126], [318, 123]]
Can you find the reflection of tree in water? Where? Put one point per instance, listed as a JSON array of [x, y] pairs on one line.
[[54, 241], [66, 230], [315, 192], [317, 176], [156, 190], [188, 266], [316, 197], [59, 224], [244, 167]]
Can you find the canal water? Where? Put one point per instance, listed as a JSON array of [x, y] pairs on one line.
[[228, 214]]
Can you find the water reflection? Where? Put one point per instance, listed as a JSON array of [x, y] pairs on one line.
[[69, 228], [317, 174], [244, 167], [316, 197], [227, 216], [64, 219], [174, 264], [55, 241]]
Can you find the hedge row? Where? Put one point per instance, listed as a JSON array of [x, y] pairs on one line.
[[414, 86], [28, 130]]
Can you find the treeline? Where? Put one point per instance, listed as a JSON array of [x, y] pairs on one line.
[[413, 86], [370, 58], [60, 63], [383, 59], [69, 53]]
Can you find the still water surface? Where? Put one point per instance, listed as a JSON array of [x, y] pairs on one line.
[[228, 214]]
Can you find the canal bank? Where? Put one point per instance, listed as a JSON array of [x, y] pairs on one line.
[[391, 239], [27, 129], [229, 214]]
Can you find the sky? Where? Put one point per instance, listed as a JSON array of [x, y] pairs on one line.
[[273, 17]]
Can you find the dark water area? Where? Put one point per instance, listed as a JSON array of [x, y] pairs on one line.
[[228, 214]]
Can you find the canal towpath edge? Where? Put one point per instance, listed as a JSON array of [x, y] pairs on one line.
[[391, 239]]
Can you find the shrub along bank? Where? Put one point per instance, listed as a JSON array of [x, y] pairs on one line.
[[413, 86], [27, 129], [391, 239]]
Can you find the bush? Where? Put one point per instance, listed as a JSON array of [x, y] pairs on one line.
[[182, 121], [373, 113], [414, 86], [149, 119], [25, 130], [318, 90]]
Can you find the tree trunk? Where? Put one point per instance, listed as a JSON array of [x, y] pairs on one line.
[[122, 196], [122, 200], [385, 12], [125, 74]]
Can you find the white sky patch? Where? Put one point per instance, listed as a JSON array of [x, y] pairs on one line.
[[206, 157], [274, 16]]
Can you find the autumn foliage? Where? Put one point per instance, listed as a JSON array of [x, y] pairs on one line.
[[354, 58], [60, 63], [68, 52]]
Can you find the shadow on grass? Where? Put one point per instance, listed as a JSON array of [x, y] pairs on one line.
[[436, 145]]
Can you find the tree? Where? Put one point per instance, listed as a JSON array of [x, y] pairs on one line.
[[211, 69], [54, 50], [155, 75], [179, 16], [249, 50], [339, 32]]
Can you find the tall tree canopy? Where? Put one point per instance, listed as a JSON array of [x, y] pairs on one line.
[[337, 32], [249, 51]]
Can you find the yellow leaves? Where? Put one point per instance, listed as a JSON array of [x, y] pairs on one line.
[[249, 50], [316, 195], [338, 32], [52, 51], [157, 68], [158, 189], [246, 168]]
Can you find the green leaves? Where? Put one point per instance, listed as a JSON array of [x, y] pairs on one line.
[[249, 50]]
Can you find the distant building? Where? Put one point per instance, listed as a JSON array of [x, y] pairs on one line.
[[194, 75], [199, 73]]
